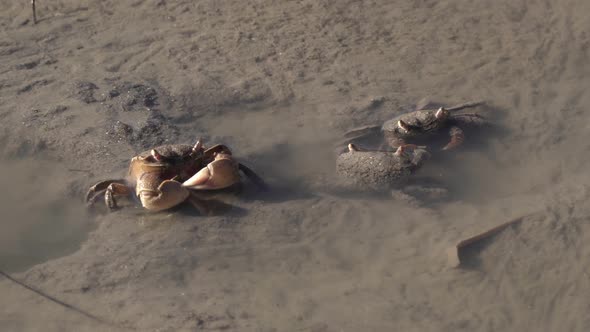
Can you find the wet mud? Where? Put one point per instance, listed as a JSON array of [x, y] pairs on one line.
[[94, 83]]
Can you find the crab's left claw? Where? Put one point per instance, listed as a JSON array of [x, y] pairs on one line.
[[220, 173]]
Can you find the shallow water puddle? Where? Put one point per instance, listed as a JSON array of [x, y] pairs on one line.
[[41, 219]]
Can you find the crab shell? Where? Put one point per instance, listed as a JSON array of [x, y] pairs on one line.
[[417, 124], [378, 170]]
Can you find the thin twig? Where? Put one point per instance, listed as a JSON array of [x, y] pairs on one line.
[[54, 300], [34, 12]]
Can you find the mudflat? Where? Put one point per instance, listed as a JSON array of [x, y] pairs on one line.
[[95, 82]]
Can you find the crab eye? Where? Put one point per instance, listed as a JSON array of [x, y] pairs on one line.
[[441, 113], [156, 155], [352, 147], [198, 147], [404, 126]]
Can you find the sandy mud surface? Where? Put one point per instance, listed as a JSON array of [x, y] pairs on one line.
[[95, 82]]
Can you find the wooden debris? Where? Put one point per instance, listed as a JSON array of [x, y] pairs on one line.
[[453, 253]]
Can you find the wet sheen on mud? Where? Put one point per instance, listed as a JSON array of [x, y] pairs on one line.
[[41, 219]]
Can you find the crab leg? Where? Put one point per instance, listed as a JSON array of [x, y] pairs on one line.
[[356, 134], [99, 188], [457, 138], [470, 118], [362, 131], [113, 189], [465, 105], [470, 115]]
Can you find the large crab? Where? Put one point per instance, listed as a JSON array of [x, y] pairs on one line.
[[164, 176], [421, 125]]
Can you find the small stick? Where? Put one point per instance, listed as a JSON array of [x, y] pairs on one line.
[[53, 299], [453, 252], [34, 12]]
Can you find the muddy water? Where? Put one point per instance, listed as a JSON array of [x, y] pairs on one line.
[[41, 220]]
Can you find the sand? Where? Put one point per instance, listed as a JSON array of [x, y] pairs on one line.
[[95, 82]]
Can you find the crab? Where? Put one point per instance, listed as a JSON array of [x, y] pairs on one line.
[[421, 125], [163, 177], [379, 170]]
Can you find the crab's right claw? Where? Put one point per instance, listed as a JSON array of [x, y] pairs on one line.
[[220, 173]]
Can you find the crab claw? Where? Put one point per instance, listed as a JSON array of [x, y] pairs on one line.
[[221, 173]]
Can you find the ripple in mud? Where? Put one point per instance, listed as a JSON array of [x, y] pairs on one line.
[[40, 219]]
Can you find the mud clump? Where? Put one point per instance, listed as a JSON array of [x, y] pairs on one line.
[[136, 117], [134, 97], [84, 91]]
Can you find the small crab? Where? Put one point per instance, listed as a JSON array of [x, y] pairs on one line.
[[421, 125], [163, 176], [379, 170]]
